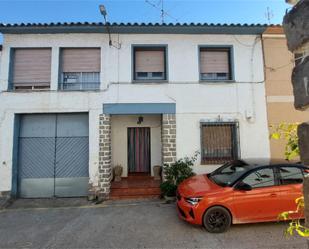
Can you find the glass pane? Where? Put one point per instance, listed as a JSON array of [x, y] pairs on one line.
[[260, 178], [290, 175]]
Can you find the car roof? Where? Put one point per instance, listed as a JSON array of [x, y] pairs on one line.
[[254, 163], [251, 165]]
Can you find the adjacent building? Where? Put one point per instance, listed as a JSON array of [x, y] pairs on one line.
[[279, 63], [74, 103]]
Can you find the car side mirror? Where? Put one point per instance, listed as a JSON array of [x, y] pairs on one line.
[[243, 186]]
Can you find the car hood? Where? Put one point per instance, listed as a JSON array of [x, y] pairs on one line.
[[197, 186]]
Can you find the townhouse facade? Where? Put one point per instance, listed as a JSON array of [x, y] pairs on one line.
[[77, 101], [279, 63]]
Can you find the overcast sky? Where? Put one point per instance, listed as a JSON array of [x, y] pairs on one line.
[[209, 11]]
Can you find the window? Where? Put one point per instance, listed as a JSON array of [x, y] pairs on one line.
[[219, 142], [80, 69], [229, 172], [149, 63], [215, 63], [31, 68], [290, 175], [260, 178]]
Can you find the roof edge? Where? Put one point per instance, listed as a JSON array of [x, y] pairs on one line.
[[134, 28]]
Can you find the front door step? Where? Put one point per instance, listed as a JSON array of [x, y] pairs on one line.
[[135, 187]]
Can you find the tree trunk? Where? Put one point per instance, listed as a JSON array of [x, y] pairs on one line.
[[306, 199]]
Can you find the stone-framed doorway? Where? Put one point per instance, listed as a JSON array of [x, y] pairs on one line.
[[168, 148]]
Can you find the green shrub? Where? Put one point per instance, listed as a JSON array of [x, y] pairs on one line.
[[176, 172], [168, 188]]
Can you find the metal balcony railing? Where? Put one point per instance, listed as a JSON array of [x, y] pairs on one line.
[[79, 86]]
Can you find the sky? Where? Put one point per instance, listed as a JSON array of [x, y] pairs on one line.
[[203, 11]]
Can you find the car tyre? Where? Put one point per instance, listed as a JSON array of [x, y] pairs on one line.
[[217, 219]]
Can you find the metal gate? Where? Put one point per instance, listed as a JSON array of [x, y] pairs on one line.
[[53, 155]]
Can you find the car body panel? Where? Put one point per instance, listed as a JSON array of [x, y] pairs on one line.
[[260, 204]]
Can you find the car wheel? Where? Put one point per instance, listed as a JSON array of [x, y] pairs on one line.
[[217, 220]]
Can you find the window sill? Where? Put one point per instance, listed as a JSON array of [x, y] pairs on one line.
[[79, 90], [216, 81], [149, 81], [211, 164]]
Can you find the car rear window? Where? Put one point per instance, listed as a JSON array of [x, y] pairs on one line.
[[290, 175]]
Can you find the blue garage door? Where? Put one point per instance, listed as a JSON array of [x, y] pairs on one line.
[[53, 155]]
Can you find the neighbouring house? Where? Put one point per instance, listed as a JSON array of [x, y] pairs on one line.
[[73, 107], [279, 63]]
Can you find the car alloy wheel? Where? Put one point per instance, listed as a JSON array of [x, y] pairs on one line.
[[217, 219]]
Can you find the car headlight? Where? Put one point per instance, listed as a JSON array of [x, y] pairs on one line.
[[193, 200]]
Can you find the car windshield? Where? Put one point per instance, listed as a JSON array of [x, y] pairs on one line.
[[228, 173]]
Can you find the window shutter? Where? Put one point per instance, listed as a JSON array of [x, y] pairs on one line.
[[149, 61], [215, 61], [32, 67], [76, 60]]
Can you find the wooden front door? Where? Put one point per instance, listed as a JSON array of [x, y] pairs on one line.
[[139, 150]]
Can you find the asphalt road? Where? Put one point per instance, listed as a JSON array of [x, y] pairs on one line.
[[146, 224]]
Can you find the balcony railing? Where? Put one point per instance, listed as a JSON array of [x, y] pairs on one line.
[[79, 86]]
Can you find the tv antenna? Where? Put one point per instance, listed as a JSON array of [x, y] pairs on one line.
[[160, 6], [269, 15]]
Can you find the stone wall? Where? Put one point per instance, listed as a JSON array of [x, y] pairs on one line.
[[168, 138], [105, 167]]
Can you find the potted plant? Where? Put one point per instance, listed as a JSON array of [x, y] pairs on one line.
[[175, 173], [168, 190]]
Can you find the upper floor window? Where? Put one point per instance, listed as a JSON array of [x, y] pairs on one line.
[[215, 63], [149, 63], [80, 69], [219, 142], [31, 68]]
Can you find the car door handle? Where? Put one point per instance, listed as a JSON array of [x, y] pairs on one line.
[[273, 195]]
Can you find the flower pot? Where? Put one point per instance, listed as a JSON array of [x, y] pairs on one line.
[[117, 173], [157, 169]]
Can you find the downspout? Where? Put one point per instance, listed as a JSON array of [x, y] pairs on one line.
[[251, 113]]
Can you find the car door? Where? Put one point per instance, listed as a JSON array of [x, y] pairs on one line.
[[261, 202], [290, 186]]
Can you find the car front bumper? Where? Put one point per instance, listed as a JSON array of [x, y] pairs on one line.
[[188, 212]]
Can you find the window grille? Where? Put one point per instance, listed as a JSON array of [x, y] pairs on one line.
[[219, 142]]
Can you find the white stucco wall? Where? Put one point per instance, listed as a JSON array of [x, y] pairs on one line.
[[120, 125], [242, 100]]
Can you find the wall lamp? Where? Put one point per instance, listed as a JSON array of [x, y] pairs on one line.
[[104, 14]]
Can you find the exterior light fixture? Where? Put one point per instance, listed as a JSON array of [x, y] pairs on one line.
[[140, 119], [104, 14], [103, 11]]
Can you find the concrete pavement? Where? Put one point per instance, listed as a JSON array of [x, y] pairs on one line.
[[121, 224]]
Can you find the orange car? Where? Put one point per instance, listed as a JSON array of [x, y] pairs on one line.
[[239, 192]]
